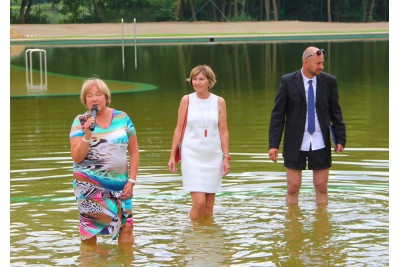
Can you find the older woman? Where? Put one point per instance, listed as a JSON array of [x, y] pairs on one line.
[[205, 144], [103, 179]]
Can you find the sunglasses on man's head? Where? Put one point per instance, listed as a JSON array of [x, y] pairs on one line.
[[318, 53]]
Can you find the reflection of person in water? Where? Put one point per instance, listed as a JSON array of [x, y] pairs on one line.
[[205, 245], [106, 255], [322, 225], [294, 235], [306, 247], [321, 236]]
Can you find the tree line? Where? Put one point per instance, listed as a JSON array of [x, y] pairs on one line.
[[96, 11]]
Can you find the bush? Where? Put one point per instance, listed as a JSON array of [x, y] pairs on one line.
[[36, 16]]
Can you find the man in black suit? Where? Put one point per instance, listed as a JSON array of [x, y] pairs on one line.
[[307, 140]]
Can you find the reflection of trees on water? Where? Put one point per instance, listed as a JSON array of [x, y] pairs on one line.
[[236, 65], [241, 67]]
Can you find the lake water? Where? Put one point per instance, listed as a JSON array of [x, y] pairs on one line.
[[252, 225]]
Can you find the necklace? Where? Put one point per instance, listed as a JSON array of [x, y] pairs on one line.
[[208, 116]]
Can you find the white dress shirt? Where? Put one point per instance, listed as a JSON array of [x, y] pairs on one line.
[[315, 140]]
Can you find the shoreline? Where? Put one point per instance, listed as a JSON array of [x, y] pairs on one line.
[[192, 30]]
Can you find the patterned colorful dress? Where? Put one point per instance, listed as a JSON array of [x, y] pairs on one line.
[[98, 181]]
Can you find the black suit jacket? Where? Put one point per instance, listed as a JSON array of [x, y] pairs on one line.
[[290, 109]]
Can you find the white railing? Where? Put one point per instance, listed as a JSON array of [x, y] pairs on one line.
[[42, 86]]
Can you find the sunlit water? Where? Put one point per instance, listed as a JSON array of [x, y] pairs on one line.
[[252, 225]]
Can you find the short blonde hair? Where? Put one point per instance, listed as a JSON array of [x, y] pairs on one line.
[[206, 71], [101, 86]]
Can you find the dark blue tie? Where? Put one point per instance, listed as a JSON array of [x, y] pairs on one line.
[[310, 109]]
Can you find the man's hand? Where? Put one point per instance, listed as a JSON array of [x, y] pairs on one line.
[[339, 148], [273, 154]]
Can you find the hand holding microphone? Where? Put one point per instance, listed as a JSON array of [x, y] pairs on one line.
[[94, 114]]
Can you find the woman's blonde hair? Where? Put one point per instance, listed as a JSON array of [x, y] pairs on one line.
[[101, 86], [206, 71]]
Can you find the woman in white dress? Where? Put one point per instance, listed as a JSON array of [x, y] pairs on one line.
[[205, 144]]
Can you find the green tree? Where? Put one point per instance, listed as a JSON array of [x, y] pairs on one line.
[[90, 11], [25, 10], [368, 9], [328, 4]]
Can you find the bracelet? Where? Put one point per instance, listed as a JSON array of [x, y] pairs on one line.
[[85, 140], [227, 156], [133, 181]]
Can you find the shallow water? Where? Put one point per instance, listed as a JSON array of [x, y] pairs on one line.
[[252, 225]]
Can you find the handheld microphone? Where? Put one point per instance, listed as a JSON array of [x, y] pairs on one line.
[[94, 114]]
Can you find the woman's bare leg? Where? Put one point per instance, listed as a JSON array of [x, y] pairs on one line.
[[198, 205], [126, 233], [90, 242], [209, 208]]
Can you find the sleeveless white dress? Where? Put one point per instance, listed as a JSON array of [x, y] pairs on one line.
[[201, 162]]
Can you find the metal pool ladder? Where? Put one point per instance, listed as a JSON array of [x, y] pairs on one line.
[[31, 87]]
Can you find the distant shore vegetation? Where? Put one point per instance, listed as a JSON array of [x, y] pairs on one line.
[[112, 11]]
